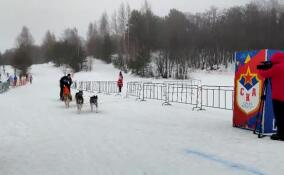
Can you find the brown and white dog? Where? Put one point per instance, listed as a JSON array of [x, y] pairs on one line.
[[66, 96]]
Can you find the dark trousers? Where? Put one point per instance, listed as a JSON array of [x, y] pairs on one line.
[[61, 92], [119, 88], [278, 108]]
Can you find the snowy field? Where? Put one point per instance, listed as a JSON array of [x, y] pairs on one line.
[[39, 136]]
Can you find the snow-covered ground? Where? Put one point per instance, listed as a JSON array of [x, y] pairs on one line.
[[39, 136]]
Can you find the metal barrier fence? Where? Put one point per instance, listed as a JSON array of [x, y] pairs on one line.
[[154, 91], [134, 89], [180, 93], [168, 93], [4, 87], [220, 97], [99, 86], [108, 87]]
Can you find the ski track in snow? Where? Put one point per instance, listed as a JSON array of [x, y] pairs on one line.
[[38, 135], [226, 163]]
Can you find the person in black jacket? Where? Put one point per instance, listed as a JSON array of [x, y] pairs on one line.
[[65, 81]]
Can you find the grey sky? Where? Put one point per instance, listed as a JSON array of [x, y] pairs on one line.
[[57, 15]]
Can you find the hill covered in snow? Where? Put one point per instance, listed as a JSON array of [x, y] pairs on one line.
[[38, 135], [107, 72]]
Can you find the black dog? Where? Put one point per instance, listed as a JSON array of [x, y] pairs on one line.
[[94, 101], [79, 100]]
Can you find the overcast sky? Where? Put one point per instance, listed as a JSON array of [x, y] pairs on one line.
[[57, 15]]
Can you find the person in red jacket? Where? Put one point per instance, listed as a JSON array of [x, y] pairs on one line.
[[120, 82], [276, 74]]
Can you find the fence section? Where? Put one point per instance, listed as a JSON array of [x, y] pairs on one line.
[[112, 87], [181, 93], [108, 87], [134, 89], [186, 92], [154, 91], [220, 97]]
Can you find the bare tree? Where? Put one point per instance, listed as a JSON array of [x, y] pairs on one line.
[[25, 39], [48, 44], [22, 59], [114, 25], [92, 36], [122, 20], [104, 24]]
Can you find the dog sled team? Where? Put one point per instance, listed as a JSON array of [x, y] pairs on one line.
[[65, 93]]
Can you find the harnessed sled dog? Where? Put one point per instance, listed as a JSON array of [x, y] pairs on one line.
[[94, 102], [79, 100], [66, 96]]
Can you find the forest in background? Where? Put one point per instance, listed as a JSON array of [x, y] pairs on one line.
[[140, 42]]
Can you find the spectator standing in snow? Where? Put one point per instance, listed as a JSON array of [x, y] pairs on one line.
[[11, 80], [120, 81], [15, 80], [276, 74]]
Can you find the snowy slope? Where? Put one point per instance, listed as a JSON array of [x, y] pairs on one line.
[[39, 136]]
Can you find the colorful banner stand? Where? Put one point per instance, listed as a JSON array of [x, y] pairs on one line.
[[249, 86]]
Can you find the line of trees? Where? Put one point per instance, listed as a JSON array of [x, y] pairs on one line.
[[149, 45], [69, 50], [142, 41]]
